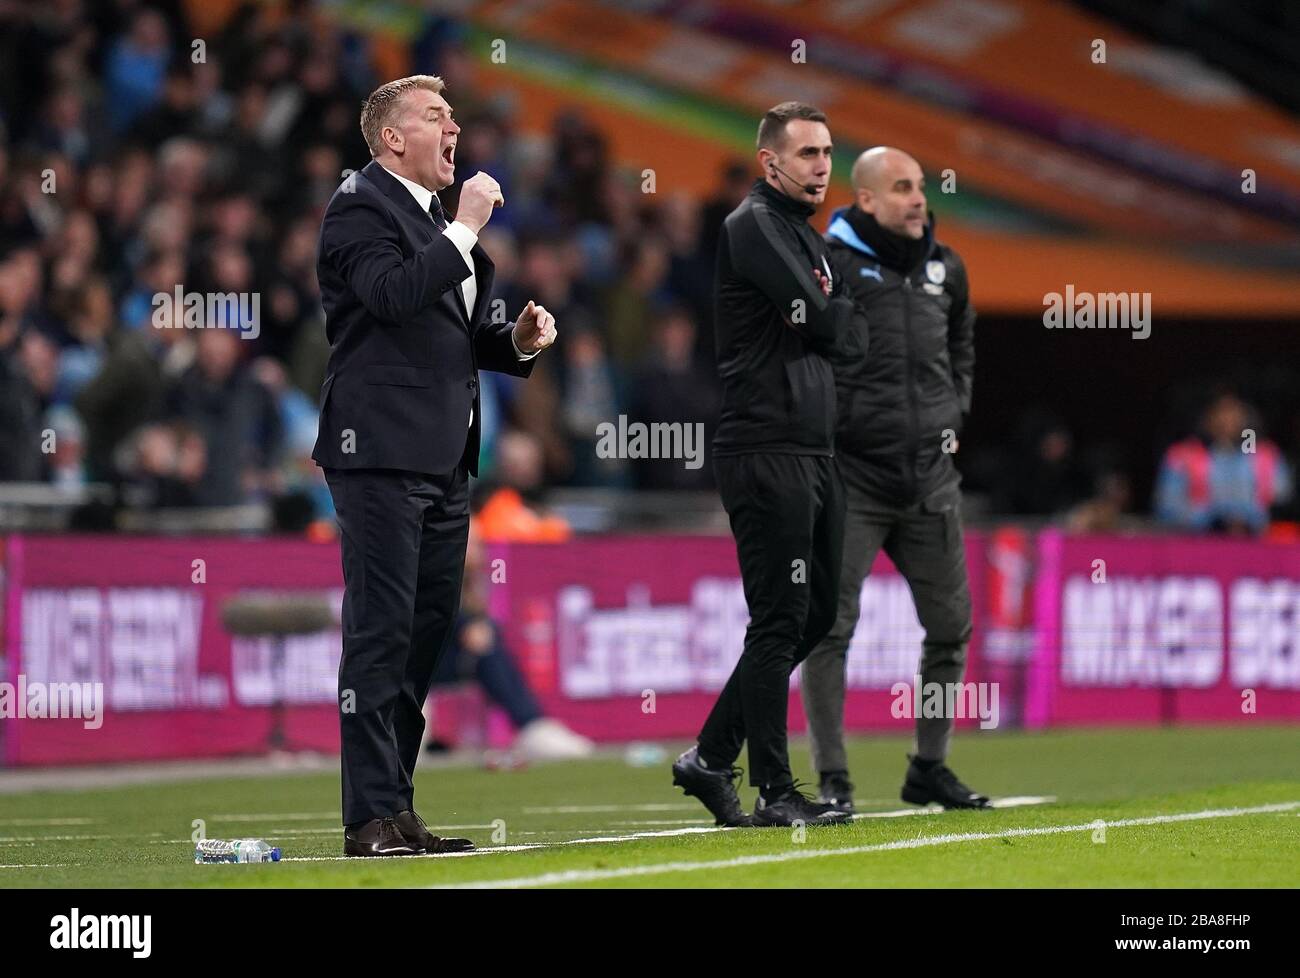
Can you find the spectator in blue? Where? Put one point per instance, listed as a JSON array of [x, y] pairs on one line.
[[135, 69]]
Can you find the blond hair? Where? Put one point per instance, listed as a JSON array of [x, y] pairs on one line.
[[384, 104]]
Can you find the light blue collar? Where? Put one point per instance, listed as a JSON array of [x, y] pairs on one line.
[[841, 230]]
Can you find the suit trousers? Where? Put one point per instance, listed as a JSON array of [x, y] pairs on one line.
[[403, 537], [787, 514], [924, 540]]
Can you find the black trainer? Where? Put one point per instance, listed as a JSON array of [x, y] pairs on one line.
[[794, 806], [715, 788], [939, 784], [837, 792]]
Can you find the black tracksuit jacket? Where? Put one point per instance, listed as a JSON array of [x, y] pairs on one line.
[[899, 401], [775, 329]]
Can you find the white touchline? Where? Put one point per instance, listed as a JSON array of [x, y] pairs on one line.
[[659, 834], [663, 821], [485, 851], [287, 816], [282, 833], [276, 833], [1014, 801], [595, 809], [1010, 802], [46, 821], [592, 875], [692, 806]]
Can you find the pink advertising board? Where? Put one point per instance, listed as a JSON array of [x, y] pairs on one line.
[[595, 624], [1164, 629], [631, 637], [141, 616]]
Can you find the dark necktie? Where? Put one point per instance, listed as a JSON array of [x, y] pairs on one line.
[[440, 222], [435, 212]]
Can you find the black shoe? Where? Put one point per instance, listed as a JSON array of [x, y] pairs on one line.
[[837, 792], [941, 785], [378, 837], [417, 834], [716, 788], [794, 806]]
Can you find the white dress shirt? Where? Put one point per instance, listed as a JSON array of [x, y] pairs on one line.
[[464, 239]]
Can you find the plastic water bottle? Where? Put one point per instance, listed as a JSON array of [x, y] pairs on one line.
[[236, 851]]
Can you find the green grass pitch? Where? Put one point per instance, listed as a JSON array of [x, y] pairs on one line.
[[1191, 807]]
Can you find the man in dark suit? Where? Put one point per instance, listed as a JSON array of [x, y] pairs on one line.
[[406, 297]]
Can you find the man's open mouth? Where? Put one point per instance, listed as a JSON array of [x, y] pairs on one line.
[[449, 154]]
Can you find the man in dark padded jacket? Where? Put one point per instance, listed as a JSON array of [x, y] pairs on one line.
[[901, 411], [780, 311]]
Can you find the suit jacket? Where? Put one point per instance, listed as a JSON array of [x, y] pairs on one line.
[[402, 375]]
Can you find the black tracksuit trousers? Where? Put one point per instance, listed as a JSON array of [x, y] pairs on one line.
[[787, 515]]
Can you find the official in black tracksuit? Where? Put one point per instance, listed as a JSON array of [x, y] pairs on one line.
[[901, 411], [406, 294], [779, 312]]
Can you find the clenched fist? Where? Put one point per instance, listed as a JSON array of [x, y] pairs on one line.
[[535, 329], [478, 196]]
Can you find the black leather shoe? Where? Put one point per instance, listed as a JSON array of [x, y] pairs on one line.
[[794, 806], [837, 792], [378, 837], [939, 784], [417, 834], [716, 788]]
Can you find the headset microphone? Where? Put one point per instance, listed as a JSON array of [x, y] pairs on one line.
[[808, 188]]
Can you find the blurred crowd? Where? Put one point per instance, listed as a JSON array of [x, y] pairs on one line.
[[126, 168], [131, 162]]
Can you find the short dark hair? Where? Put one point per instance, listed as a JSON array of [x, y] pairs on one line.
[[771, 131]]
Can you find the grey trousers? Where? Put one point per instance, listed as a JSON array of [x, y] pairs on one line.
[[924, 541]]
